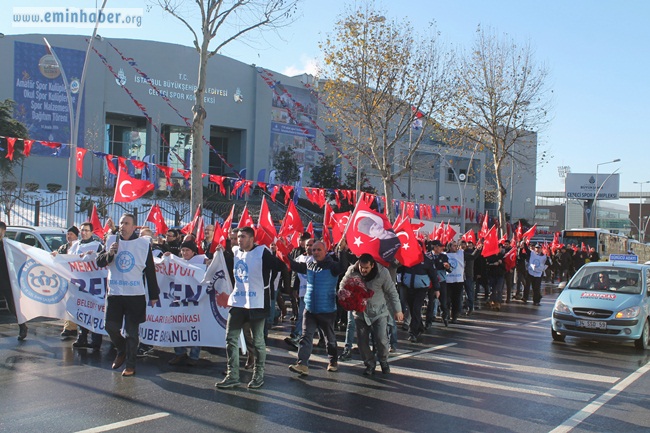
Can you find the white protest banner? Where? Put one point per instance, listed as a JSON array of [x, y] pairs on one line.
[[192, 309]]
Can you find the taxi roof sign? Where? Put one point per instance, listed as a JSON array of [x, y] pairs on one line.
[[623, 258]]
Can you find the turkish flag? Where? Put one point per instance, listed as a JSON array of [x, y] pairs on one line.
[[490, 243], [266, 233], [484, 227], [469, 236], [245, 220], [519, 232], [327, 238], [410, 254], [195, 227], [219, 181], [450, 233], [530, 233], [81, 153], [227, 224], [128, 188], [218, 238], [156, 217], [510, 259], [97, 225], [439, 233], [339, 223], [10, 148], [292, 226], [327, 216], [371, 232], [27, 149], [310, 229], [110, 165]]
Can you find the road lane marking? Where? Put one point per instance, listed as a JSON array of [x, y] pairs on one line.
[[591, 408], [518, 368], [498, 385], [125, 423]]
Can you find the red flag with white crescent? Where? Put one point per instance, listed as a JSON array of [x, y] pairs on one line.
[[265, 233], [292, 226], [410, 253], [81, 153], [156, 217], [128, 189]]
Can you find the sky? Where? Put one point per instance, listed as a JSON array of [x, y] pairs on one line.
[[597, 52]]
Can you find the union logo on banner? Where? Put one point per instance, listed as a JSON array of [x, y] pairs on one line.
[[41, 284]]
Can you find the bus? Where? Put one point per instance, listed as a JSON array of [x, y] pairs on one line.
[[604, 241]]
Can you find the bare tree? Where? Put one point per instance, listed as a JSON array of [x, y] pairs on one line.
[[380, 78], [229, 20], [502, 103]]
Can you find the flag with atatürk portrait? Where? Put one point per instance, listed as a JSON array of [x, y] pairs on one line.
[[371, 232]]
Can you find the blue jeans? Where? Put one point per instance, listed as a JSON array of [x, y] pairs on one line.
[[469, 290], [391, 330], [350, 331], [297, 329], [195, 351], [496, 283]]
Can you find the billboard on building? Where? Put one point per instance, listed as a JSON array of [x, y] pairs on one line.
[[293, 124], [586, 186], [41, 97]]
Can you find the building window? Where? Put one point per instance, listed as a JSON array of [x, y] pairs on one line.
[[126, 136], [215, 164]]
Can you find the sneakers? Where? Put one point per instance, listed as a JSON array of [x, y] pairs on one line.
[[412, 338], [301, 369], [22, 332], [385, 368], [178, 359], [228, 382], [257, 382], [333, 366], [346, 355], [369, 371]]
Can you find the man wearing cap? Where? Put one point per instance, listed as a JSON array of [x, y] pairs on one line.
[[69, 327], [128, 259]]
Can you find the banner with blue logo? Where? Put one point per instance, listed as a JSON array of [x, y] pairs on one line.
[[192, 310]]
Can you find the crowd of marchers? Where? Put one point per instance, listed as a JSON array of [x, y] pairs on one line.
[[307, 289]]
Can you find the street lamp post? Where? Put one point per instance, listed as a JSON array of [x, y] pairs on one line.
[[641, 231], [74, 120], [598, 188]]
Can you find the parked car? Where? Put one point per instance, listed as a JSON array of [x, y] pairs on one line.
[[45, 238], [605, 301]]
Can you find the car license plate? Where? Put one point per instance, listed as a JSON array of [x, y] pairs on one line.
[[592, 324]]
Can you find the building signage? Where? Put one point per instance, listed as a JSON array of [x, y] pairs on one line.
[[586, 186], [41, 97]]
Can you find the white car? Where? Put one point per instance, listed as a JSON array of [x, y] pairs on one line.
[[45, 238], [605, 301]]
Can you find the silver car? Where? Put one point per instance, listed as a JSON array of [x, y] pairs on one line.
[[605, 301], [45, 238]]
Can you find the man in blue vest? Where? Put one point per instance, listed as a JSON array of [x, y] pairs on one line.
[[320, 304], [128, 258]]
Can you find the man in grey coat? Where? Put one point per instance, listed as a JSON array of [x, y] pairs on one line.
[[375, 317]]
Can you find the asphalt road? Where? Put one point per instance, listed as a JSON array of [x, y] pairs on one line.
[[492, 372]]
